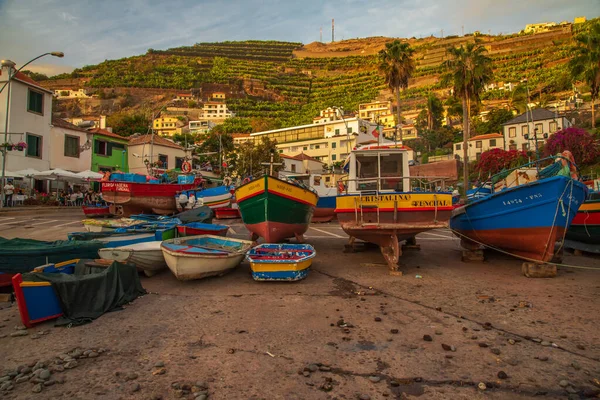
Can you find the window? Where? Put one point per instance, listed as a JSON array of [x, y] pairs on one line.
[[478, 144], [349, 130], [293, 167], [459, 146], [512, 132], [553, 126], [333, 145], [317, 146], [179, 162], [34, 146], [525, 146], [337, 131], [492, 142], [524, 130], [101, 147], [163, 159], [333, 157], [477, 156], [539, 129], [35, 102], [71, 146], [305, 148]]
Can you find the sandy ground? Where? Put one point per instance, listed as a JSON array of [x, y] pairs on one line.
[[361, 328]]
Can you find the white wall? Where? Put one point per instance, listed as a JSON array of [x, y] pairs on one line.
[[136, 164], [57, 150], [518, 138], [22, 121]]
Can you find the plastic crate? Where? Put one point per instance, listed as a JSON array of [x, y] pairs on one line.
[[137, 178], [116, 176], [185, 179]]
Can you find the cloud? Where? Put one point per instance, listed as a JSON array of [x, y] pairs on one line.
[[90, 32]]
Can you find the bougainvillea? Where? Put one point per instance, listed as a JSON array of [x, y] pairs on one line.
[[495, 160], [577, 141]]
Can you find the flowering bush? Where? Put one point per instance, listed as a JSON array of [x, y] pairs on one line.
[[495, 160], [577, 141], [22, 144]]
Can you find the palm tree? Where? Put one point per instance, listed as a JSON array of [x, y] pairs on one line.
[[468, 70], [585, 65], [397, 64]]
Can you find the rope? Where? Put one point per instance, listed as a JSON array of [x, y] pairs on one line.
[[521, 257]]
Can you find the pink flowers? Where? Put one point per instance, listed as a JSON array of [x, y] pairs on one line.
[[577, 141]]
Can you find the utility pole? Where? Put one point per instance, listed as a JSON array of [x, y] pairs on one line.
[[442, 33], [463, 30], [321, 35]]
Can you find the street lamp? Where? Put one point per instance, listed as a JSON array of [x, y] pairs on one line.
[[341, 110], [11, 65]]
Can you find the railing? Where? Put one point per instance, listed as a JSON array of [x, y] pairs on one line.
[[423, 183]]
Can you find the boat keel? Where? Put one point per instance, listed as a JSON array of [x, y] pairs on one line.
[[391, 252]]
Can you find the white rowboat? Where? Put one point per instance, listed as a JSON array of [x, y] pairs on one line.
[[147, 256]]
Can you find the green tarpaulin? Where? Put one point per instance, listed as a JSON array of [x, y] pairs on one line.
[[23, 255], [91, 291]]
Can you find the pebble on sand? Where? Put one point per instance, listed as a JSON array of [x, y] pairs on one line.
[[19, 333], [484, 345], [563, 383], [374, 378], [495, 351], [428, 338], [502, 375], [377, 319], [37, 388], [394, 331]]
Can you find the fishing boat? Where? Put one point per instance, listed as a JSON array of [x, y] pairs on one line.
[[147, 256], [96, 211], [227, 213], [584, 231], [274, 209], [109, 225], [23, 255], [129, 198], [325, 208], [201, 214], [198, 228], [381, 204], [196, 257], [216, 197], [523, 218], [280, 262]]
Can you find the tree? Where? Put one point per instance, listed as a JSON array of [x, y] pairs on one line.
[[518, 99], [234, 125], [468, 70], [221, 144], [431, 115], [125, 124], [36, 76], [585, 65], [397, 64], [495, 118], [250, 157], [493, 161], [585, 150]]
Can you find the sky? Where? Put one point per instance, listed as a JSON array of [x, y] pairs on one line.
[[89, 32]]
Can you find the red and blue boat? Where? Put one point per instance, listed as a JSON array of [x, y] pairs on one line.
[[524, 220], [584, 232]]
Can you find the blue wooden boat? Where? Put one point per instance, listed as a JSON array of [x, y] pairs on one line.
[[215, 197], [524, 220], [325, 209], [196, 257], [280, 262]]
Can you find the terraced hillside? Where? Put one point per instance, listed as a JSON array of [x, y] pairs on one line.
[[282, 85]]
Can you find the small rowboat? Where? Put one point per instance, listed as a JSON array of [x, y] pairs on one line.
[[198, 228], [146, 256], [96, 211], [280, 262], [196, 257], [93, 225], [227, 213], [126, 240]]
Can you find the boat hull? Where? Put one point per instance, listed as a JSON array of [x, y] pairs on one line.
[[214, 198], [285, 262], [227, 213], [274, 209], [188, 262], [524, 221], [147, 257], [325, 210], [136, 198], [194, 228], [96, 211], [585, 227]]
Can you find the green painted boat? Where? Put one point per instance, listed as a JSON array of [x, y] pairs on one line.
[[275, 209]]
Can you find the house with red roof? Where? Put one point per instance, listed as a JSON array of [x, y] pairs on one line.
[[479, 144], [147, 149]]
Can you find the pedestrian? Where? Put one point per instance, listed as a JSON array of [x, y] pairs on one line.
[[8, 193]]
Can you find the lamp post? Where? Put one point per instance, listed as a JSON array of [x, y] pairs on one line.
[[341, 110], [11, 75]]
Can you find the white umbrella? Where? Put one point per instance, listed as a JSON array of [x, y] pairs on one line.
[[88, 174], [10, 174], [57, 173], [29, 172]]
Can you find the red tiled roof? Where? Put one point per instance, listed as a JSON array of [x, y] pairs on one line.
[[28, 81], [239, 135], [289, 157], [61, 123], [487, 136], [158, 141], [184, 95], [303, 157], [104, 132]]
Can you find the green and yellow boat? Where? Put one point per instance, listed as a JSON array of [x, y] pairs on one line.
[[275, 209]]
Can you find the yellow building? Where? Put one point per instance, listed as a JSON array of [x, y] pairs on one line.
[[166, 125], [370, 111], [579, 20], [218, 96]]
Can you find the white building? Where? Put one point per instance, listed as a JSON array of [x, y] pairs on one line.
[[327, 115], [89, 122], [71, 147], [200, 126], [479, 144], [144, 148], [215, 111], [71, 94], [302, 164], [29, 116], [519, 132]]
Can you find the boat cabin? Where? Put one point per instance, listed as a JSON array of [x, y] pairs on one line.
[[378, 170], [313, 181]]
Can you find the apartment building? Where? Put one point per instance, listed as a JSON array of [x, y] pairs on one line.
[[478, 145], [521, 132]]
